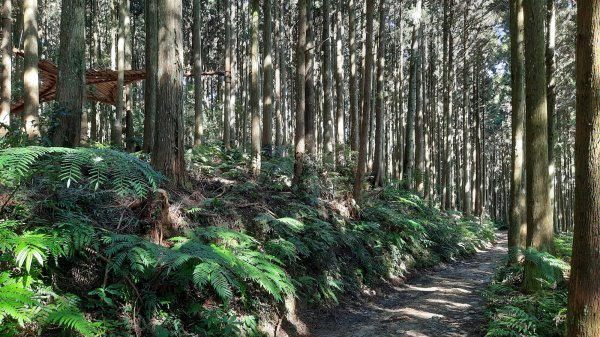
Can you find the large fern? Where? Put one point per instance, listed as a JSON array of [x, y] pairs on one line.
[[89, 167]]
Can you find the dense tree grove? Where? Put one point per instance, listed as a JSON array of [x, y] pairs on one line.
[[483, 109]]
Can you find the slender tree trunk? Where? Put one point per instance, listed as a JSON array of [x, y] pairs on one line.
[[30, 75], [254, 92], [309, 119], [299, 138], [409, 149], [539, 208], [466, 191], [367, 78], [518, 224], [198, 87], [327, 113], [378, 165], [354, 120], [117, 130], [227, 111], [128, 57], [267, 134], [6, 49], [583, 315], [70, 87], [419, 136], [339, 85], [279, 111], [168, 151], [551, 91], [151, 57]]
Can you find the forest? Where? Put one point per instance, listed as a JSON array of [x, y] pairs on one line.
[[355, 168]]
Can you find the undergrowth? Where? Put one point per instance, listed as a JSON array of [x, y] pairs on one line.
[[542, 313], [77, 256]]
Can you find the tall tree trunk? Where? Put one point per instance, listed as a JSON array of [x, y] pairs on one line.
[[419, 136], [30, 75], [367, 79], [267, 135], [466, 191], [354, 120], [551, 93], [254, 92], [539, 208], [151, 48], [339, 85], [309, 119], [129, 132], [228, 113], [70, 88], [6, 49], [518, 225], [327, 113], [583, 315], [198, 87], [168, 151], [299, 138], [117, 130], [379, 100], [409, 145]]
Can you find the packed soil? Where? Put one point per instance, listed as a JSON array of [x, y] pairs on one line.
[[443, 301]]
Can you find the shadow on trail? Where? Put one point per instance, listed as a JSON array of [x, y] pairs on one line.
[[445, 301]]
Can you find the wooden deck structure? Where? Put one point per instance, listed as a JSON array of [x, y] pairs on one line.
[[101, 84]]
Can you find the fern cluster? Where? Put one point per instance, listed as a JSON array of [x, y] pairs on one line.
[[543, 313], [90, 167]]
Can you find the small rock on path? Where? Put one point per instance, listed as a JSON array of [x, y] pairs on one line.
[[445, 301]]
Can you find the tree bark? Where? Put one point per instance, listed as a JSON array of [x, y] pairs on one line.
[[327, 112], [168, 151], [339, 85], [518, 224], [198, 87], [151, 47], [254, 91], [379, 101], [354, 120], [70, 88], [299, 137], [367, 79], [31, 75], [6, 49], [539, 208], [583, 314], [309, 85], [267, 134]]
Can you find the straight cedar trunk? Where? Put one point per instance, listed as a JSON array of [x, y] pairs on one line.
[[168, 151], [267, 134], [339, 85], [517, 230], [367, 79], [419, 127], [353, 80], [466, 163], [279, 103], [227, 112], [551, 91], [151, 56], [379, 101], [198, 87], [233, 77], [299, 137], [117, 130], [409, 145], [539, 207], [447, 105], [254, 92], [129, 134], [31, 73], [70, 87], [583, 314], [309, 84], [327, 113], [6, 71]]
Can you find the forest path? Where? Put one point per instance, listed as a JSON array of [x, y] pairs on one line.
[[443, 301]]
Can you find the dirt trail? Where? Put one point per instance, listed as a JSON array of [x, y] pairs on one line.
[[444, 301]]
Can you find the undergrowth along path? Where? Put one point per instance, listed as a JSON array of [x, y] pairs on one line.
[[443, 301]]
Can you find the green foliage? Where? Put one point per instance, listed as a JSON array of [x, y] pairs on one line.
[[513, 313], [91, 168]]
